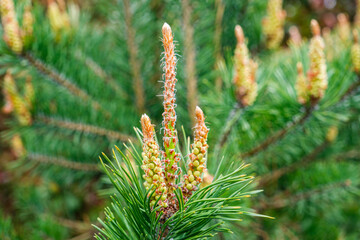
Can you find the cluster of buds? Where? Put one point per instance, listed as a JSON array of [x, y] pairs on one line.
[[161, 167], [273, 24], [245, 71], [171, 158], [355, 52], [21, 105], [154, 172], [12, 31], [58, 17], [197, 164], [313, 88], [344, 28]]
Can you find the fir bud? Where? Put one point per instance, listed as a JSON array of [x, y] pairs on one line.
[[295, 36], [169, 116], [154, 172], [355, 51], [245, 71], [12, 35], [273, 24], [197, 164]]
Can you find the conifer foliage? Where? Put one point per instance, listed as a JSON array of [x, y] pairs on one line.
[[78, 77]]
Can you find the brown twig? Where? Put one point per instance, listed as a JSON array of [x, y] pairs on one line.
[[278, 135], [285, 198], [76, 91], [86, 128], [138, 83], [275, 175], [190, 64], [88, 167], [100, 72]]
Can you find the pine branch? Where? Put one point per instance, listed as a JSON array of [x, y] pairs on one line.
[[138, 83], [286, 199], [62, 162], [101, 73], [76, 91], [279, 134], [353, 88], [86, 128], [220, 7], [306, 160], [231, 121], [189, 52]]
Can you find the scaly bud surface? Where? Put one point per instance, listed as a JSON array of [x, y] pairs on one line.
[[317, 72], [273, 24], [12, 35], [245, 71], [169, 116], [21, 108], [197, 165], [154, 172]]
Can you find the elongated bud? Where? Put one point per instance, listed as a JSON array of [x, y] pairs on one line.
[[295, 36], [245, 71], [154, 172], [357, 15], [302, 85], [197, 164], [344, 28], [59, 19], [27, 26], [355, 52], [169, 116], [22, 111], [12, 35], [273, 24], [332, 133], [317, 73], [17, 146], [29, 93]]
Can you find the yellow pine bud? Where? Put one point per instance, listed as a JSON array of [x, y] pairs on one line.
[[295, 36], [58, 17], [17, 146], [245, 71], [21, 108], [11, 27], [27, 26], [355, 52], [332, 133], [29, 93], [197, 157], [357, 16], [152, 163], [273, 24], [317, 73], [169, 115], [344, 28], [302, 85]]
